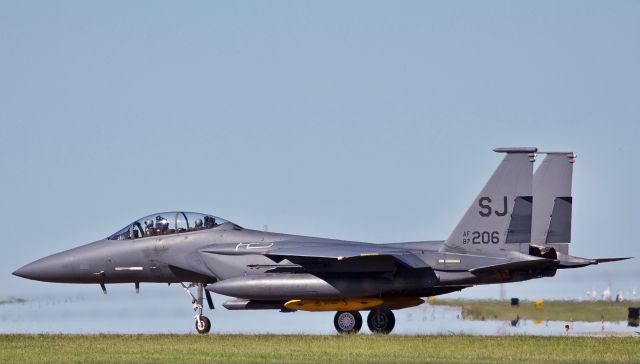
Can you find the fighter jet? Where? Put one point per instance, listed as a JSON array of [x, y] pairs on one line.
[[517, 228]]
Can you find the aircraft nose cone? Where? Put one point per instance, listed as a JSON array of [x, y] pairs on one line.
[[25, 272], [54, 268]]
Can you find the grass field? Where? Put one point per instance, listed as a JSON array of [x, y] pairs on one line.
[[314, 349], [552, 310]]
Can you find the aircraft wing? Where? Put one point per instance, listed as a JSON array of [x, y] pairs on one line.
[[334, 257], [346, 252]]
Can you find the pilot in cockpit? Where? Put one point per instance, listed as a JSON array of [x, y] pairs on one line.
[[162, 224], [148, 228], [198, 224], [209, 222]]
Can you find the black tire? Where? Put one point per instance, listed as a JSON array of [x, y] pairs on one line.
[[381, 320], [203, 325], [358, 321], [347, 322]]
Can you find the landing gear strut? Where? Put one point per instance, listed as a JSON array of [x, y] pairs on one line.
[[381, 320], [203, 324], [347, 322]]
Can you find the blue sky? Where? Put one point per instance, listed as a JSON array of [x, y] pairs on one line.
[[369, 121]]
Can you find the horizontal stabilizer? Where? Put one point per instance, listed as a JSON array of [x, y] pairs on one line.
[[607, 260], [569, 261], [515, 266]]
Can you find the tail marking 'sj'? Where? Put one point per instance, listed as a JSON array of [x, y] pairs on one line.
[[500, 216]]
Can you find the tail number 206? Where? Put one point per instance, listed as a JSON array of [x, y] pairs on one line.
[[480, 237]]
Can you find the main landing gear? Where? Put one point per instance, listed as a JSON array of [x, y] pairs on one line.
[[347, 322], [203, 324], [380, 321]]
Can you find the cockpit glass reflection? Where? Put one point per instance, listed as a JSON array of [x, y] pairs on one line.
[[167, 223]]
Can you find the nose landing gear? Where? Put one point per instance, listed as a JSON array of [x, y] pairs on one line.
[[203, 324]]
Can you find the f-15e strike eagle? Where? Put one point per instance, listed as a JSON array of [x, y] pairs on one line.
[[518, 228]]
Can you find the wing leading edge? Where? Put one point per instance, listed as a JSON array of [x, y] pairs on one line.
[[335, 255]]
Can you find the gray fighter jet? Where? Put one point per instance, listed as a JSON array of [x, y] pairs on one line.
[[518, 228]]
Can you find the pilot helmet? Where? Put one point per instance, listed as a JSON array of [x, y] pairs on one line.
[[148, 223], [209, 222], [198, 223]]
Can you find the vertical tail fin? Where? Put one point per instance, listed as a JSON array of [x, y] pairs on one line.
[[500, 217], [551, 224], [552, 211]]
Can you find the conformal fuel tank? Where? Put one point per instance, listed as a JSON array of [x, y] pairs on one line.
[[286, 286]]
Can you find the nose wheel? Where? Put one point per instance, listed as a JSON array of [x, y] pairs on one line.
[[347, 322], [203, 324]]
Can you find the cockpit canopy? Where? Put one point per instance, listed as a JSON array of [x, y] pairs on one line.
[[166, 223]]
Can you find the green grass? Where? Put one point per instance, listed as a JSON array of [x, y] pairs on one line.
[[590, 311], [314, 349]]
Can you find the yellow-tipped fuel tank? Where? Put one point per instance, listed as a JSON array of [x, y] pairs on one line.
[[354, 304], [347, 304]]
